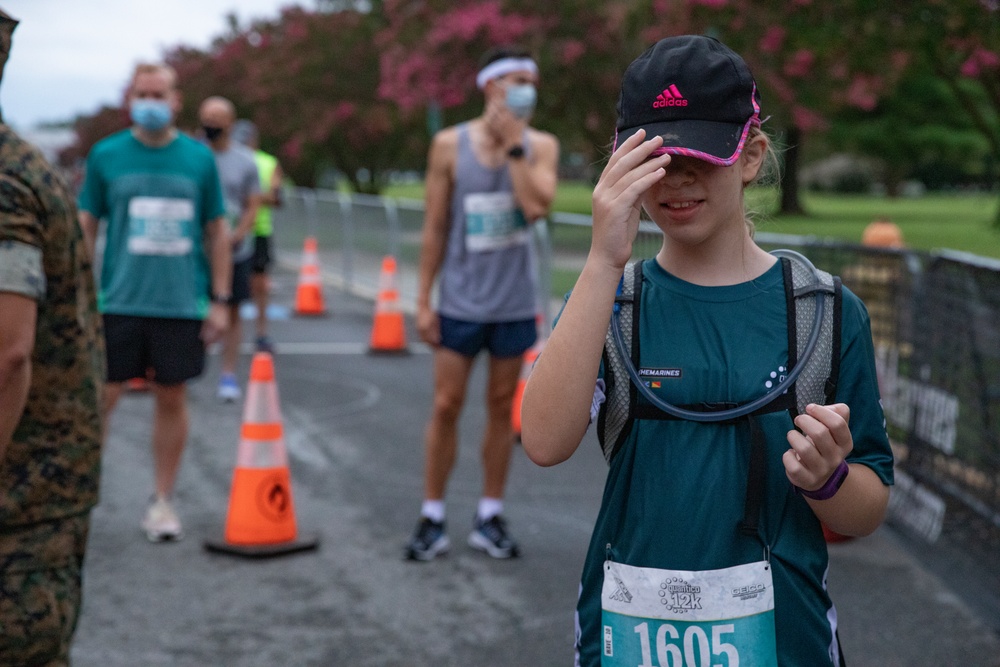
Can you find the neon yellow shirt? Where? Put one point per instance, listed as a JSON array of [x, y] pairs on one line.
[[266, 164]]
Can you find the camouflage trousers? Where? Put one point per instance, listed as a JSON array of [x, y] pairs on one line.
[[40, 581]]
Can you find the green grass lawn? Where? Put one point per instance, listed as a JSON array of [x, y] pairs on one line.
[[958, 222]]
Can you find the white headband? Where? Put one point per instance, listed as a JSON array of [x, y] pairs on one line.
[[504, 66]]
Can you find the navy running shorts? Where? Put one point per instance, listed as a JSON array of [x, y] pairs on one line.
[[501, 339], [171, 347]]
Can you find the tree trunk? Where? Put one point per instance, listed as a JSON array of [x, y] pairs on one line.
[[790, 203]]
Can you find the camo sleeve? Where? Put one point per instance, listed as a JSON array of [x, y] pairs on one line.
[[21, 234]]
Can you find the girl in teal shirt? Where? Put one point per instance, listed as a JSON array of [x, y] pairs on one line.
[[671, 578]]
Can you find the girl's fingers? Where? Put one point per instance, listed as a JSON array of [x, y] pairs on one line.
[[626, 147], [806, 451], [631, 154], [633, 166]]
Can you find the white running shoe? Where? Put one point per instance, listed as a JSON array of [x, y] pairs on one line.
[[161, 522]]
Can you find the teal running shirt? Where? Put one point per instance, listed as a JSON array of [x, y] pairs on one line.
[[156, 202], [675, 490]]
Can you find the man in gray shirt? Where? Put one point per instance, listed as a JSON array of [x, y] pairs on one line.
[[487, 180], [241, 190]]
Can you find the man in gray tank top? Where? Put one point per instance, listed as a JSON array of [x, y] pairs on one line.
[[487, 180]]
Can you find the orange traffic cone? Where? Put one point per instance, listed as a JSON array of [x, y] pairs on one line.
[[261, 517], [309, 294], [388, 332], [529, 362]]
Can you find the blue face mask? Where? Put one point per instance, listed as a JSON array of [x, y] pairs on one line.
[[151, 115], [521, 99]]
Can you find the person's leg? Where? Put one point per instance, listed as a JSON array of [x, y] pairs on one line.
[[507, 343], [498, 439], [127, 352], [259, 286], [451, 377], [112, 392], [260, 289], [229, 388], [453, 359], [170, 431], [177, 355], [231, 340]]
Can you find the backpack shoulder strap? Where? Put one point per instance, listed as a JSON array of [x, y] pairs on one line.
[[818, 381], [614, 421]]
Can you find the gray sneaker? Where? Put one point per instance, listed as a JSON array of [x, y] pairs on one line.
[[491, 536], [428, 542], [161, 522]]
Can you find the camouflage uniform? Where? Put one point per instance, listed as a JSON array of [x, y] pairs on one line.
[[49, 474]]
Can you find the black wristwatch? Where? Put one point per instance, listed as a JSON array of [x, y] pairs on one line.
[[221, 298], [516, 152]]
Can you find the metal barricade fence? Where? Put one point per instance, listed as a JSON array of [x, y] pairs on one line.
[[935, 325]]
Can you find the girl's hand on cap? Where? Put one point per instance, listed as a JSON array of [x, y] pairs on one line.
[[629, 173]]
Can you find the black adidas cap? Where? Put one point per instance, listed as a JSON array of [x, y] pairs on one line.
[[696, 93]]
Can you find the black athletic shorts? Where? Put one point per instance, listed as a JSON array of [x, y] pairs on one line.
[[171, 347], [241, 281], [261, 254]]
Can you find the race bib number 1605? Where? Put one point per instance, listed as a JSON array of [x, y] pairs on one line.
[[677, 618]]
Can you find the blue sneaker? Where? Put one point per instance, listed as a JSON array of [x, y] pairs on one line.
[[491, 536], [229, 389], [428, 542]]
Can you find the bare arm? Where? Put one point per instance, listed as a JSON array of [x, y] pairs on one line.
[[434, 236], [824, 441], [555, 412], [535, 176], [17, 340], [220, 254], [88, 225], [247, 218], [273, 195]]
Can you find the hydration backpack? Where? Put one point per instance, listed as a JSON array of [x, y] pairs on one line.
[[816, 384]]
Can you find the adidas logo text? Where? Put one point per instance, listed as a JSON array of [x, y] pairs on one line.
[[670, 97]]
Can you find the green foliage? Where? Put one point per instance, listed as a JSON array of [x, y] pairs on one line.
[[919, 132]]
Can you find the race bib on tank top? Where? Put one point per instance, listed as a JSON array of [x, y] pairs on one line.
[[493, 221]]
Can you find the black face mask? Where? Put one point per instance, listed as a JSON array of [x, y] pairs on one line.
[[211, 133]]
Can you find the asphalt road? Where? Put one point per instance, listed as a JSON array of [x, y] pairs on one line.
[[353, 426]]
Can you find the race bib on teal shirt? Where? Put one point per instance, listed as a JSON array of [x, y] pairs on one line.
[[160, 226], [678, 618]]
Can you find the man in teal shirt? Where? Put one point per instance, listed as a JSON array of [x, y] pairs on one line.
[[165, 276]]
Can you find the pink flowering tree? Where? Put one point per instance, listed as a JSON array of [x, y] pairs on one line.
[[431, 51], [309, 81], [811, 59], [807, 65]]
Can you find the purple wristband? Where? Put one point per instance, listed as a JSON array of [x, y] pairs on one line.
[[828, 490]]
